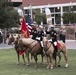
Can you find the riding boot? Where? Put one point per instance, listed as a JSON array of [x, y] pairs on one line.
[[56, 50]]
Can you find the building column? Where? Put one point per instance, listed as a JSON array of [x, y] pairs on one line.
[[41, 10], [61, 15], [30, 7], [54, 17]]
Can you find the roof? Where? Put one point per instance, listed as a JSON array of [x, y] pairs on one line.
[[45, 2]]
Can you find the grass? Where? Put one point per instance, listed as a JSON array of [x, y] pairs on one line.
[[8, 59]]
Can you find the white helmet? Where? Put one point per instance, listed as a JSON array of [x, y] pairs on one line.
[[32, 24], [41, 26], [52, 26]]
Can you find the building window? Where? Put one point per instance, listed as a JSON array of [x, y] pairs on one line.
[[57, 9], [58, 18], [73, 8], [65, 9], [52, 9]]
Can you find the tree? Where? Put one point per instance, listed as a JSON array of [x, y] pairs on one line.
[[8, 15], [69, 17], [40, 17]]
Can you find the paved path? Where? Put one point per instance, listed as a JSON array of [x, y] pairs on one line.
[[5, 46], [70, 44]]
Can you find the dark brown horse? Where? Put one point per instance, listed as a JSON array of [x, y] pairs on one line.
[[34, 47], [49, 50], [14, 39]]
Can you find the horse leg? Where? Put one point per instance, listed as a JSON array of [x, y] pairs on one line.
[[18, 57], [66, 59], [27, 55], [35, 58], [42, 59], [23, 59], [59, 59], [47, 61], [50, 65]]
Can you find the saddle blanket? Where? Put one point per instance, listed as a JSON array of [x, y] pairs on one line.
[[58, 45]]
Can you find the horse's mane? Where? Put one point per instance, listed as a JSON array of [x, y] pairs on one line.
[[48, 42]]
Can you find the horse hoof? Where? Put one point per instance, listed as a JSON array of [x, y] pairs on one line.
[[47, 67], [28, 65], [24, 63], [66, 65], [51, 68], [17, 63], [58, 65], [35, 66]]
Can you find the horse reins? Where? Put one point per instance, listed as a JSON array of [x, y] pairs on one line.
[[30, 44], [34, 46], [48, 47]]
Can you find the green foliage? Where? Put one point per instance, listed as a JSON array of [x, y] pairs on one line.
[[69, 18], [40, 17], [8, 16]]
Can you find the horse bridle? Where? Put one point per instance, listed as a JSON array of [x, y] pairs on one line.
[[46, 46]]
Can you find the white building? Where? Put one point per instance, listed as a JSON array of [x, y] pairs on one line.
[[57, 7]]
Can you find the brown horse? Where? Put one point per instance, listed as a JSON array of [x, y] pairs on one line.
[[34, 47], [14, 39], [49, 49]]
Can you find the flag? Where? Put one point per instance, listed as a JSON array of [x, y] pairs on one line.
[[22, 51], [48, 16], [24, 29], [29, 28]]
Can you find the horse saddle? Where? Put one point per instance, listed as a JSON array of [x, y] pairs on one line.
[[58, 44]]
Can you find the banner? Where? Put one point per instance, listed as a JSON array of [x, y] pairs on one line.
[[48, 16]]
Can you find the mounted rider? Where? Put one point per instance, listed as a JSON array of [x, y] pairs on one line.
[[34, 32], [40, 34], [53, 35]]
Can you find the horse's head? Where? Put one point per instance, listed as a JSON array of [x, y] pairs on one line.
[[45, 43], [13, 39], [10, 39]]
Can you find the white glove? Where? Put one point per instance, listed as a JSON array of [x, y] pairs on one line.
[[55, 43], [41, 43], [38, 38]]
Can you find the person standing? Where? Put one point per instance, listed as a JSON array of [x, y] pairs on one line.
[[1, 36], [63, 32], [75, 32]]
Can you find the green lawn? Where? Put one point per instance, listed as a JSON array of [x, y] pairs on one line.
[[8, 59]]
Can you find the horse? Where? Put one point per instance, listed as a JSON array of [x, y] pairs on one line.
[[14, 39], [34, 47], [49, 49]]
